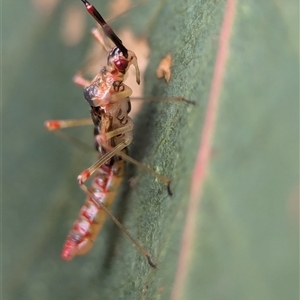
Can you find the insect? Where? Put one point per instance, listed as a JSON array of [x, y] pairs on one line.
[[109, 101]]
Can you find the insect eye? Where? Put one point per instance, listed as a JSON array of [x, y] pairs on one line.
[[121, 64]]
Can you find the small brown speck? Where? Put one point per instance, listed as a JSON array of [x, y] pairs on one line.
[[164, 68], [160, 289]]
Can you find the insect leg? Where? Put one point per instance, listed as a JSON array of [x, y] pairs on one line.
[[103, 137], [84, 175], [163, 98], [79, 80], [99, 38], [56, 125], [59, 124], [98, 202], [128, 158]]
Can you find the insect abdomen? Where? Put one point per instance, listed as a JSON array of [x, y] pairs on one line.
[[91, 217]]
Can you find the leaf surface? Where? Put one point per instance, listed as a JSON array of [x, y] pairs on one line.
[[246, 234]]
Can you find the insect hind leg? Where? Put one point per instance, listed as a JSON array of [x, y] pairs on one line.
[[116, 221], [128, 158]]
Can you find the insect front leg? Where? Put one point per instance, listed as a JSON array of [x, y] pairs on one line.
[[56, 125], [79, 80], [59, 124]]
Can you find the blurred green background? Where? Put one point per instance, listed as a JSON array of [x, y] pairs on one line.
[[247, 226]]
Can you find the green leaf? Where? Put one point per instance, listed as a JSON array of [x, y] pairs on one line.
[[245, 243]]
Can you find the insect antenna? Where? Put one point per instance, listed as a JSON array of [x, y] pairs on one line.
[[106, 28]]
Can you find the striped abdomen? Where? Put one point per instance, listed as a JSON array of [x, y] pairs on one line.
[[91, 217]]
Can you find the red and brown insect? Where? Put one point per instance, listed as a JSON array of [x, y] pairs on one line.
[[109, 100]]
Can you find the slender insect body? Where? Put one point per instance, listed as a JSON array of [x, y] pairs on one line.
[[109, 100], [109, 112]]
